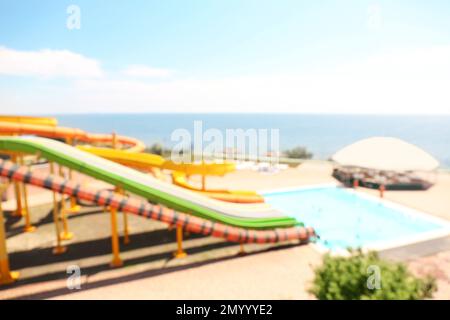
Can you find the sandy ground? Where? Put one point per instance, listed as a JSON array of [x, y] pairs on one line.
[[212, 269], [280, 274]]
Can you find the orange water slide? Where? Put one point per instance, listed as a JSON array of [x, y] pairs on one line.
[[20, 126]]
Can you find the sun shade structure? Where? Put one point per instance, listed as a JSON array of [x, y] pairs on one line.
[[385, 154]]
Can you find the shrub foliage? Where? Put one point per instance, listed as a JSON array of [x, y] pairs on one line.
[[298, 153], [352, 278]]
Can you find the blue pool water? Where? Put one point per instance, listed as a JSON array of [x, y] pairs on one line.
[[345, 219]]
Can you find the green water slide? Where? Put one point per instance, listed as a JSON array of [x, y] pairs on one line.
[[146, 186]]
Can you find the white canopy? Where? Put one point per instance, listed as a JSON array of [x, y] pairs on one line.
[[387, 154]]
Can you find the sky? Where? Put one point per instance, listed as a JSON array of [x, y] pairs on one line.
[[325, 56]]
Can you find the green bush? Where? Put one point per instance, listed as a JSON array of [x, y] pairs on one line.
[[298, 153], [155, 148], [353, 278], [158, 149]]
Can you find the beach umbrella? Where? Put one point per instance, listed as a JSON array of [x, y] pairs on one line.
[[385, 154]]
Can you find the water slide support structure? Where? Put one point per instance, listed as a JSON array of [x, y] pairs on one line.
[[6, 275], [126, 236], [65, 234], [25, 210], [59, 249], [180, 253], [116, 261], [117, 202], [18, 194], [74, 207]]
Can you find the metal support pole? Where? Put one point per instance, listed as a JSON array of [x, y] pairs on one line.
[[126, 237], [26, 212], [116, 261], [18, 193], [6, 276], [203, 175], [28, 226], [74, 207], [241, 250], [114, 140], [65, 234], [17, 190], [59, 249], [203, 182], [180, 253]]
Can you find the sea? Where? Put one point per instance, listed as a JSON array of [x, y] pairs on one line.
[[322, 135]]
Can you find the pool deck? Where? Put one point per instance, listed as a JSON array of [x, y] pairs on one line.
[[212, 269]]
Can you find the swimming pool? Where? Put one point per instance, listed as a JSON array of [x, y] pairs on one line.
[[344, 218]]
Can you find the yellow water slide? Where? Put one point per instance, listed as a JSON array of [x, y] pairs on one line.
[[43, 121], [180, 172]]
